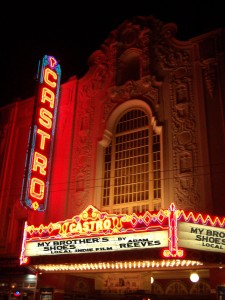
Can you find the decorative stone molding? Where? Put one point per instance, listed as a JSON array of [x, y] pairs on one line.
[[210, 76], [184, 141], [136, 89]]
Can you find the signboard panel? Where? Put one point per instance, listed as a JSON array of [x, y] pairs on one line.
[[135, 241], [201, 237]]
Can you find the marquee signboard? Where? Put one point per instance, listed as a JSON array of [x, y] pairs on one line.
[[201, 237], [38, 161], [96, 231]]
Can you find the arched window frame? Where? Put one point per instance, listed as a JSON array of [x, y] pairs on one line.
[[153, 203]]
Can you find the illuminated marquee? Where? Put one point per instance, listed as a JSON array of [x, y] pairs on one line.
[[38, 162], [96, 231]]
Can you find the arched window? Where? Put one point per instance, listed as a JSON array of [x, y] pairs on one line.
[[132, 165]]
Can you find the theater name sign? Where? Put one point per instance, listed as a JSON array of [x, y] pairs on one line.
[[172, 230], [41, 138]]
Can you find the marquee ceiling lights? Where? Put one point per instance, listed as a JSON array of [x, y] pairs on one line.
[[127, 265]]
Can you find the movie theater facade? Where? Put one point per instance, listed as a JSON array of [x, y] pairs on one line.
[[113, 184]]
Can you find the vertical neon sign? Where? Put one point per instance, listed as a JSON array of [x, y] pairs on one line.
[[38, 161]]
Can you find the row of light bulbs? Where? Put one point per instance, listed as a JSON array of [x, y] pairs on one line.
[[118, 265]]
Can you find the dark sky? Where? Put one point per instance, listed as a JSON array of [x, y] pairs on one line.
[[72, 30]]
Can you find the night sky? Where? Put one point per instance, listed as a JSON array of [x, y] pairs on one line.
[[72, 30]]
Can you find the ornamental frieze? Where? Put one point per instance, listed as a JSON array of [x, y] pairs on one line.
[[136, 89]]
